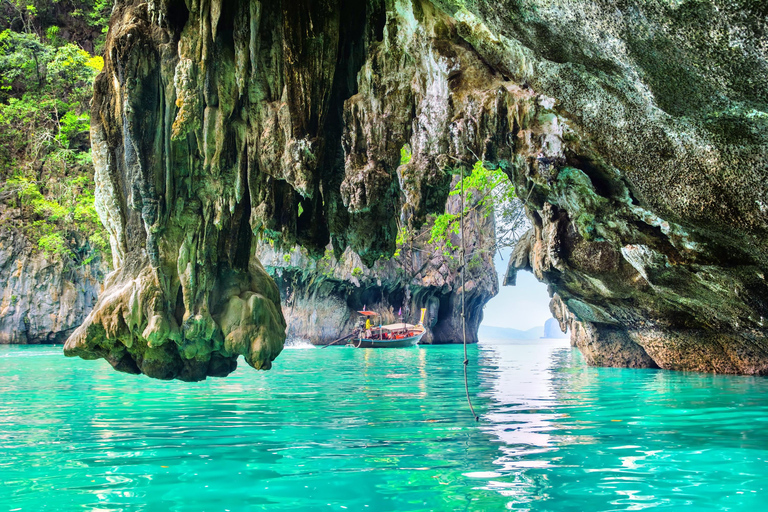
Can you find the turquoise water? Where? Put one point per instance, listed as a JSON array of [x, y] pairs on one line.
[[347, 429]]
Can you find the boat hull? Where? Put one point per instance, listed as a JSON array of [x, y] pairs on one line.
[[396, 343]]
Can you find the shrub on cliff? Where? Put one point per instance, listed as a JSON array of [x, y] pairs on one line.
[[81, 21], [45, 163], [490, 192]]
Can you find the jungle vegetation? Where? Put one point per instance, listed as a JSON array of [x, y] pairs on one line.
[[48, 61]]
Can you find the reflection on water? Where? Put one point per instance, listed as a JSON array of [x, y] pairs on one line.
[[372, 429], [574, 437]]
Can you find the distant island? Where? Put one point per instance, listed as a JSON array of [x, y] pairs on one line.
[[550, 329]]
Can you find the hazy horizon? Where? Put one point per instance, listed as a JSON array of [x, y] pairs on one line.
[[522, 307]]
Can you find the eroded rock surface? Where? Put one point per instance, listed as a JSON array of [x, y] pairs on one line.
[[220, 121], [635, 132], [43, 300], [649, 210]]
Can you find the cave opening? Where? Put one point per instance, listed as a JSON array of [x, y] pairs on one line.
[[520, 311], [177, 17]]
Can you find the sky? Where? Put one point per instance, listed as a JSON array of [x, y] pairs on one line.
[[520, 307]]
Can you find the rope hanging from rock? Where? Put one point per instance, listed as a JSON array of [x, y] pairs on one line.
[[463, 301]]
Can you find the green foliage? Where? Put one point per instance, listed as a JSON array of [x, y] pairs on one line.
[[21, 56], [475, 264], [357, 272], [45, 160], [52, 36], [405, 154], [52, 33], [325, 265], [287, 258], [98, 14], [55, 225], [400, 241], [100, 241], [53, 244], [39, 16], [71, 125], [485, 190], [489, 186], [52, 210], [28, 191], [272, 237], [72, 71], [444, 226], [44, 95]]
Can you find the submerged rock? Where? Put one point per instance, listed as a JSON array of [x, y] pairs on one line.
[[635, 133]]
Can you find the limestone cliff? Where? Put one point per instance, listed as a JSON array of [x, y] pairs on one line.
[[52, 245], [221, 121], [649, 213], [320, 297], [42, 300], [635, 132]]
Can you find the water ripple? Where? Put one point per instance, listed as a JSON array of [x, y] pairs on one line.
[[381, 430]]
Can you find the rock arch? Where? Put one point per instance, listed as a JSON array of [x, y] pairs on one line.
[[636, 136]]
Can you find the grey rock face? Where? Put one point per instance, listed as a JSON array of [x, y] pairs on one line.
[[43, 301], [648, 211]]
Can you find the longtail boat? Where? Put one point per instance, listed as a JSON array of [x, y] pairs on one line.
[[388, 336]]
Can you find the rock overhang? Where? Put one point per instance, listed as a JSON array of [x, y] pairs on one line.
[[220, 121]]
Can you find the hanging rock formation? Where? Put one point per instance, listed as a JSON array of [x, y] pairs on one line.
[[635, 132], [219, 121]]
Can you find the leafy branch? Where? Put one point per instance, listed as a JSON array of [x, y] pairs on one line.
[[488, 191]]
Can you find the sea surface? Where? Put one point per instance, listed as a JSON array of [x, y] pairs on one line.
[[379, 430]]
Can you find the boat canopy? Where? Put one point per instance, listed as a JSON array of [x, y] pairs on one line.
[[398, 327], [367, 313]]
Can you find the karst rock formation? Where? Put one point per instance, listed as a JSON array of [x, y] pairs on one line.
[[635, 132]]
